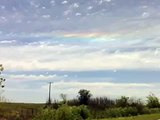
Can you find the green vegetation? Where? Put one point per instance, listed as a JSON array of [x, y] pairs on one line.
[[84, 107], [64, 112], [140, 117], [19, 111], [1, 78], [84, 97], [153, 101]]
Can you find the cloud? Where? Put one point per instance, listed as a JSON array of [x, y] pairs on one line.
[[7, 41], [70, 57], [23, 77], [64, 2]]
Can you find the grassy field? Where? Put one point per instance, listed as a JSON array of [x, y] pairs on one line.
[[17, 106], [18, 111], [141, 117], [28, 111]]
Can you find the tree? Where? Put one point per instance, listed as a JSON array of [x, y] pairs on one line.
[[122, 102], [1, 78], [1, 83], [153, 101], [84, 96], [64, 98]]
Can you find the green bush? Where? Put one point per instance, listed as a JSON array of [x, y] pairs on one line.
[[154, 110], [114, 112], [147, 110], [130, 111], [138, 104], [121, 112], [153, 101], [122, 102], [98, 114], [64, 113], [76, 113], [84, 112], [46, 114]]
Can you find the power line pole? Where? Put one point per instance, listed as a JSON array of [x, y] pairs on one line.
[[49, 93]]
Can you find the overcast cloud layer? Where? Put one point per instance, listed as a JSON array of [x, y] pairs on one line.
[[111, 47]]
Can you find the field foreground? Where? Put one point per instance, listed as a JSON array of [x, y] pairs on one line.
[[141, 117], [16, 111]]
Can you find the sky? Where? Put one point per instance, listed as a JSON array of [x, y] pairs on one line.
[[110, 47]]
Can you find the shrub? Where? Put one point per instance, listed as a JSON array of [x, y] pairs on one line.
[[98, 114], [146, 110], [80, 113], [84, 112], [122, 102], [46, 114], [64, 113], [55, 104], [121, 112], [73, 102], [154, 110], [138, 104], [130, 111], [101, 103], [76, 113], [114, 112], [153, 101]]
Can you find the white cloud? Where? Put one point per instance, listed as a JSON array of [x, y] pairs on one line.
[[46, 16], [43, 7], [65, 76], [90, 7], [67, 12], [23, 77], [145, 6], [32, 3], [107, 0], [7, 41], [3, 19], [68, 57], [2, 7], [102, 1], [76, 5], [79, 85], [157, 51], [52, 2], [78, 14], [64, 2], [145, 15]]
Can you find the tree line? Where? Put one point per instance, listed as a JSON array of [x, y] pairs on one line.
[[104, 107]]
